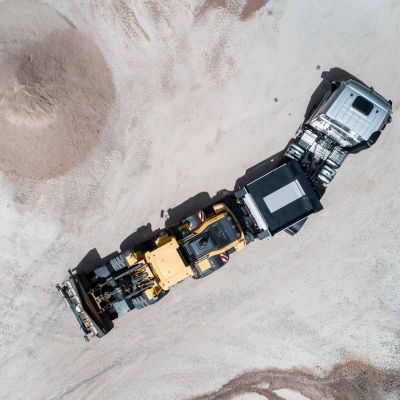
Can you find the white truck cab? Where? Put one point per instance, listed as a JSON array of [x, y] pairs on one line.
[[352, 114], [349, 118]]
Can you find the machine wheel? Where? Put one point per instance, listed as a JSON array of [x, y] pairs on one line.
[[140, 301]]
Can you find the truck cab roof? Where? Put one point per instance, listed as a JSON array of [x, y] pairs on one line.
[[353, 108], [217, 235]]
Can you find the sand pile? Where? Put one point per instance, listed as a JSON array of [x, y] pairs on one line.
[[55, 96]]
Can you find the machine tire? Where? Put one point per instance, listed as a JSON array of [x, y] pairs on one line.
[[140, 302]]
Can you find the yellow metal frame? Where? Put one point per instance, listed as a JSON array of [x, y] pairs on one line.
[[221, 210], [166, 264]]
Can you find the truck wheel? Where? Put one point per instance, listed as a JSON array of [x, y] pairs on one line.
[[295, 152], [336, 158], [326, 175]]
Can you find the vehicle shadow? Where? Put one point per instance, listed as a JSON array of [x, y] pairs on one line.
[[140, 239], [91, 261], [143, 235], [333, 75]]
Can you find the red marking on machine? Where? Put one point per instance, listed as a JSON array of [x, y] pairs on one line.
[[202, 216], [224, 257]]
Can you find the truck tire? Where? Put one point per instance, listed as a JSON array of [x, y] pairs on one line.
[[295, 152], [326, 174], [337, 157]]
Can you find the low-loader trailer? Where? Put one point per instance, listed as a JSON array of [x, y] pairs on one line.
[[349, 118]]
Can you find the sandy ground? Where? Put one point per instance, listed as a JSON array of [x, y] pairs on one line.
[[56, 92], [203, 91]]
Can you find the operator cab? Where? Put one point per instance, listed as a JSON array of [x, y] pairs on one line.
[[216, 236]]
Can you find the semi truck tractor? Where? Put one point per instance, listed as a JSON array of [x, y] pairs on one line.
[[349, 118]]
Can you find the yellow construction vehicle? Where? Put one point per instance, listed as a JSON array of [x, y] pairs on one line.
[[135, 279], [197, 246]]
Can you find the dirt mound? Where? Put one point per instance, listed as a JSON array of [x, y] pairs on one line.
[[55, 96], [350, 381]]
